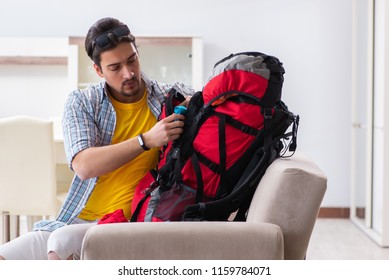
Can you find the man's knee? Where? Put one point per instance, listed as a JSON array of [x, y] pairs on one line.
[[30, 246], [66, 241]]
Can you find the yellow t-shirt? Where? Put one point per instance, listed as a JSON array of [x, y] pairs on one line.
[[115, 190]]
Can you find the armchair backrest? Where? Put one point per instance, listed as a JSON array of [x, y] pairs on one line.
[[27, 166]]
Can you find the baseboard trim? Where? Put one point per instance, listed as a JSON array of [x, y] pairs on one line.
[[334, 212]]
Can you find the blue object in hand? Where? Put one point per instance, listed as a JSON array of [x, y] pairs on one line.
[[180, 110]]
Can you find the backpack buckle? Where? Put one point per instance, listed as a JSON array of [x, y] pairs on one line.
[[152, 187], [267, 113], [176, 153]]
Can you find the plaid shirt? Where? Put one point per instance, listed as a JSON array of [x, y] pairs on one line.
[[89, 120]]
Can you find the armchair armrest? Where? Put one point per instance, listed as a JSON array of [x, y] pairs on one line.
[[183, 240], [289, 195]]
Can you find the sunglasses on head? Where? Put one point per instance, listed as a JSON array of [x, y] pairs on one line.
[[103, 40]]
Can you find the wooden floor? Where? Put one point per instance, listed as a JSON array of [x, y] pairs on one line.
[[340, 239]]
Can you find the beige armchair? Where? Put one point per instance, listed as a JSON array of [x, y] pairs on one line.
[[279, 224]]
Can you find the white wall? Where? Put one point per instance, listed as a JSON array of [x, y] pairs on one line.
[[311, 37]]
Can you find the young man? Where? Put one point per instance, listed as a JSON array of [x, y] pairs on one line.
[[111, 137]]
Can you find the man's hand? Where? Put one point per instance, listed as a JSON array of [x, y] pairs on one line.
[[164, 131]]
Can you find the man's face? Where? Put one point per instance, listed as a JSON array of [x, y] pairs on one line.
[[120, 67]]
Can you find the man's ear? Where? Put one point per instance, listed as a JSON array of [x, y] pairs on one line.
[[98, 70]]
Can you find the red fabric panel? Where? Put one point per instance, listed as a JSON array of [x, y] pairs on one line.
[[235, 80], [139, 194], [114, 217], [248, 114], [236, 141]]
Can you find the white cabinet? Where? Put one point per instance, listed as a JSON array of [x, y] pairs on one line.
[[370, 145], [33, 76], [164, 58]]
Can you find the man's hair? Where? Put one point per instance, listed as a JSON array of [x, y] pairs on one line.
[[102, 26]]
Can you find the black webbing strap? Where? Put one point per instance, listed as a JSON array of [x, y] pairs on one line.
[[200, 183], [293, 145], [238, 125], [176, 156], [268, 130], [209, 163], [222, 155], [242, 211]]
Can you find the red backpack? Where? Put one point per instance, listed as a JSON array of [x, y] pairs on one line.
[[234, 128]]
